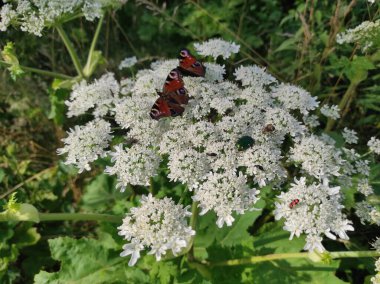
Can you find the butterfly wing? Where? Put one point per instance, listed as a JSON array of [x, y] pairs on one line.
[[160, 109], [165, 107], [180, 97], [189, 65], [173, 82]]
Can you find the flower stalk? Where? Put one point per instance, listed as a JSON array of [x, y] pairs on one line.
[[39, 71], [306, 255], [70, 49]]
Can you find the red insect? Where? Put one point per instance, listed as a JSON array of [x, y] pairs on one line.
[[189, 65], [172, 97], [293, 203]]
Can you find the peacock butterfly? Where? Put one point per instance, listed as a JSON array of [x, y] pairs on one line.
[[189, 65]]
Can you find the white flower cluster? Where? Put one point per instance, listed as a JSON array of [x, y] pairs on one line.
[[330, 111], [86, 144], [158, 224], [127, 62], [366, 34], [350, 136], [376, 279], [101, 96], [317, 213], [374, 145], [367, 213], [364, 187], [133, 165], [318, 158], [229, 143], [33, 15], [217, 47]]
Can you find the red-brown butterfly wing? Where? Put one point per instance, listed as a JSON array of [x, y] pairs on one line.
[[165, 107], [160, 109], [180, 97], [173, 82], [189, 65]]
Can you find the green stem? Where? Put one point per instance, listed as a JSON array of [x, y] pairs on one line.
[[79, 217], [193, 224], [269, 257], [87, 68], [70, 49], [39, 71], [194, 215]]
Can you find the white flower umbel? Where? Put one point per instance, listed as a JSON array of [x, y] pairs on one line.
[[350, 136], [374, 145], [295, 98], [364, 34], [33, 16], [127, 62], [364, 187], [330, 111], [158, 225], [317, 213], [376, 279], [86, 143], [317, 157], [254, 76], [225, 193], [100, 95], [217, 47], [133, 165]]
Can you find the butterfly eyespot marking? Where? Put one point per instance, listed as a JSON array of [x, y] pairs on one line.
[[196, 64]]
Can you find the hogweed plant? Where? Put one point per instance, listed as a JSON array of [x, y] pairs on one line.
[[244, 139], [202, 150]]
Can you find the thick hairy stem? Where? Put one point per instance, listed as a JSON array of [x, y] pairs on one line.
[[71, 50], [79, 217], [90, 58], [193, 224], [307, 255], [39, 71]]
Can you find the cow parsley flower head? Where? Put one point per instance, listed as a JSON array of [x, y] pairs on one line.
[[101, 95], [365, 34], [86, 144], [330, 111], [317, 213], [127, 62], [376, 279], [217, 47], [317, 158], [33, 16], [374, 145], [158, 225], [294, 98], [350, 136], [364, 187], [134, 165], [225, 193], [254, 76]]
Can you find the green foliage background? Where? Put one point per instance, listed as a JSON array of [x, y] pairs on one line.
[[294, 39]]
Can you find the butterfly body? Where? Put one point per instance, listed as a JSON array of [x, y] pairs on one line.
[[293, 203]]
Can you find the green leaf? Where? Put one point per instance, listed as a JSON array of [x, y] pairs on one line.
[[57, 105], [239, 230], [88, 261], [357, 70]]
